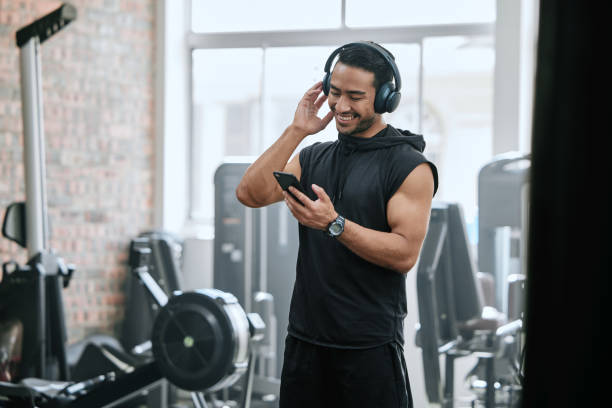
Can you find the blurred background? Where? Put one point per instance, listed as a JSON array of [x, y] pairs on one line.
[[147, 103]]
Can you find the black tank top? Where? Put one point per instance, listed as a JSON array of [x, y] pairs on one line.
[[340, 299]]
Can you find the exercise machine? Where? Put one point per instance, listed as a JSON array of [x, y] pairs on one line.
[[166, 268], [255, 250], [503, 208], [32, 294], [457, 318], [202, 340]]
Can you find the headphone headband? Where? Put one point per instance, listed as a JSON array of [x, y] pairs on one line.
[[373, 46]]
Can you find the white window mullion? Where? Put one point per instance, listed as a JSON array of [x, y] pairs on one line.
[[420, 106], [262, 102]]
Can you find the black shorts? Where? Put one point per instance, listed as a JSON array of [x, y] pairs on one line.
[[318, 377]]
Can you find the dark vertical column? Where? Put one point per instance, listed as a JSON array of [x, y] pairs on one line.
[[569, 260]]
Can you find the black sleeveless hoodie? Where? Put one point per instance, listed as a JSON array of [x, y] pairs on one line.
[[339, 299]]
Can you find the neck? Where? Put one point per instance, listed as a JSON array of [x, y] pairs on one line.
[[378, 125]]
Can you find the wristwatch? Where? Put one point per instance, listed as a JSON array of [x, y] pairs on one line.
[[336, 227]]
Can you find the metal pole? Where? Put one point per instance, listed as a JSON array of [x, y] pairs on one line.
[[249, 220], [198, 400], [421, 109], [449, 397], [34, 148], [248, 383], [490, 374]]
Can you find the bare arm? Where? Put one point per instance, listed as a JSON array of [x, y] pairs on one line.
[[258, 186], [407, 213]]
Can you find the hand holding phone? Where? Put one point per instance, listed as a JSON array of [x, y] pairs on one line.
[[287, 179]]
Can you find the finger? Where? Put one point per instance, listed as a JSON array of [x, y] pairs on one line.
[[311, 95], [303, 198], [295, 207], [290, 200], [317, 85], [315, 89], [320, 101], [290, 207], [286, 199], [309, 98], [327, 118]]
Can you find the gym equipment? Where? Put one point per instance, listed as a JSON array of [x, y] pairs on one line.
[[201, 338], [202, 341], [166, 269], [11, 336], [31, 294], [503, 187], [141, 310], [456, 322], [255, 251], [26, 224], [388, 95]]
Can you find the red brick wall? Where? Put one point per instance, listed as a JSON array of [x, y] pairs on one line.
[[98, 111]]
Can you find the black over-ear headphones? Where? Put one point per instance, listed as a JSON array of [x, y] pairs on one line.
[[388, 95]]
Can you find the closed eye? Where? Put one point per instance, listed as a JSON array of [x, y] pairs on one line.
[[353, 98]]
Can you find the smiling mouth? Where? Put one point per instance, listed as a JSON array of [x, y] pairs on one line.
[[345, 118]]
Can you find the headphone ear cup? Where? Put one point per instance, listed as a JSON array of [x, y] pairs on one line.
[[326, 83], [393, 101], [382, 96]]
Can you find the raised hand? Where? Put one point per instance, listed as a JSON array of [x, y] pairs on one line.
[[306, 117]]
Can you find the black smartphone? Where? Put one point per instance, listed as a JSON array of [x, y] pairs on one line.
[[287, 179]]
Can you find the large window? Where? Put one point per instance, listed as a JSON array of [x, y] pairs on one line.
[[250, 69], [395, 13], [213, 16], [458, 113]]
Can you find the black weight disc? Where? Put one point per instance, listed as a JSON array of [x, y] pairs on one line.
[[193, 341]]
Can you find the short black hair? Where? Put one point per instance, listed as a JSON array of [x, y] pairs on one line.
[[366, 58]]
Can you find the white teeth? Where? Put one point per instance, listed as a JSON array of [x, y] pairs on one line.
[[345, 117]]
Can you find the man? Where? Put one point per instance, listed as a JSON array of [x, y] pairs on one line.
[[362, 223]]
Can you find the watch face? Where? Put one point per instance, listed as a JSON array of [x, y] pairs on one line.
[[335, 228]]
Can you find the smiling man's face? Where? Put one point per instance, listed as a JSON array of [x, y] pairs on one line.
[[351, 98]]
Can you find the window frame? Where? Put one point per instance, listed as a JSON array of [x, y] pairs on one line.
[[318, 37]]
